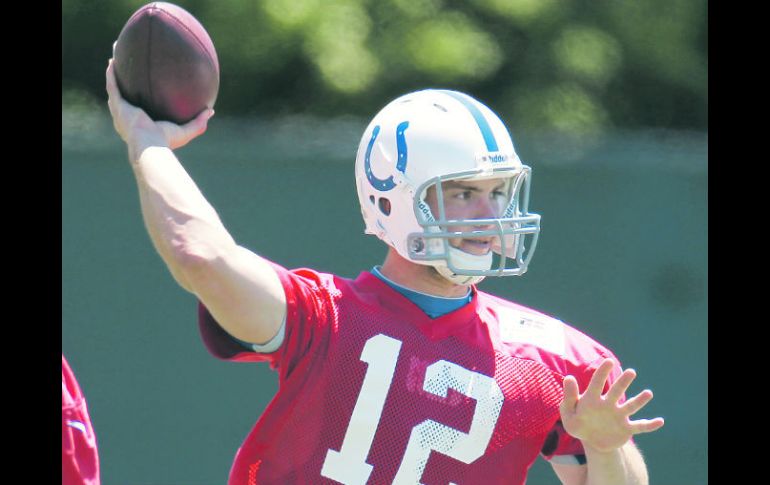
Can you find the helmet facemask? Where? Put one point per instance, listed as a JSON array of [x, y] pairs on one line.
[[514, 231]]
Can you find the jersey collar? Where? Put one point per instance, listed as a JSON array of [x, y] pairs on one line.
[[441, 327]]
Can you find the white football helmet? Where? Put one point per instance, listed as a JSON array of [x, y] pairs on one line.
[[423, 139]]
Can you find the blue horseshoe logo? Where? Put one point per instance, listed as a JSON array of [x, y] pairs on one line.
[[384, 185]]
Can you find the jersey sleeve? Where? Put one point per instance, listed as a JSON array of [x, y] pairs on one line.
[[560, 446], [309, 317], [79, 454]]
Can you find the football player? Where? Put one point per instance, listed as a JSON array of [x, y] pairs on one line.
[[408, 373]]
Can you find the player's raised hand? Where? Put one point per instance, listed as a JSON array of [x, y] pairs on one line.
[[137, 129], [600, 421]]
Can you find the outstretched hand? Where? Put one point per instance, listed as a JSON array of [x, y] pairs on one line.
[[600, 421], [139, 131]]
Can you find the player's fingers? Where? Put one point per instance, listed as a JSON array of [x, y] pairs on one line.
[[203, 117], [636, 403], [571, 393], [118, 109], [174, 134], [110, 83], [109, 76], [621, 385], [180, 135], [112, 90], [646, 425], [199, 124], [599, 378]]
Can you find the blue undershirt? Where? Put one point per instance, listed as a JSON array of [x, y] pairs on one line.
[[433, 306]]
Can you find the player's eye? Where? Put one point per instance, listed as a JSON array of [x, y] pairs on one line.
[[498, 194], [462, 194]]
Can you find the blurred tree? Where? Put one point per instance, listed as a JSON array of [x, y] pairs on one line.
[[576, 66]]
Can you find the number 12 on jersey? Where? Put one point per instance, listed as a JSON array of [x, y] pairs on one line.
[[349, 466]]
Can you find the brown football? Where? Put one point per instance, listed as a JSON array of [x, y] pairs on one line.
[[166, 64]]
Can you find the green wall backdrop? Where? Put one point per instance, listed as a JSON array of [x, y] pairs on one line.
[[622, 256]]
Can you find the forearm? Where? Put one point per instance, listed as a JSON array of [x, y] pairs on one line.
[[182, 225], [622, 466], [240, 289]]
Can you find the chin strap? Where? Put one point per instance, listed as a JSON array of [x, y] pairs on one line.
[[462, 260]]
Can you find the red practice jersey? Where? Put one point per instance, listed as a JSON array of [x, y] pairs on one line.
[[373, 391], [79, 456]]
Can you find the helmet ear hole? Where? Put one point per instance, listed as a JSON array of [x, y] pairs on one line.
[[384, 205]]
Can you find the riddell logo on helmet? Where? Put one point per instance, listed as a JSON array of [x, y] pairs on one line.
[[426, 211], [495, 157]]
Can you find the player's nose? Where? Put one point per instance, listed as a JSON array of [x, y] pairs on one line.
[[486, 208]]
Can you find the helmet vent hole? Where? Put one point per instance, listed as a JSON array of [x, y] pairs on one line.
[[371, 199], [440, 107], [384, 206]]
